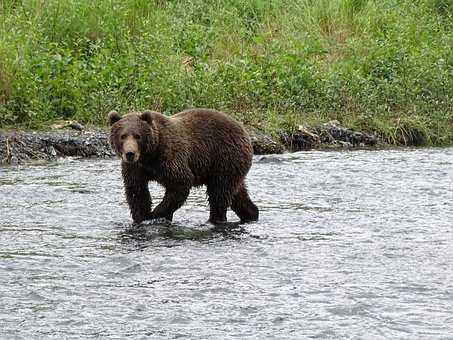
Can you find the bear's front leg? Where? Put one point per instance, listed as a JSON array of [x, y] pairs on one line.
[[137, 192], [174, 198]]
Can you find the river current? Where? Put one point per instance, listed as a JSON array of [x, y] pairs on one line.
[[355, 245]]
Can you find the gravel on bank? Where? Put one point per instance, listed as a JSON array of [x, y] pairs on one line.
[[73, 140]]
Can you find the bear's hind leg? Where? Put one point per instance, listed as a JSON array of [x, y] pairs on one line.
[[219, 197], [243, 206]]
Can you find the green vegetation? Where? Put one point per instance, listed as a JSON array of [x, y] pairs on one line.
[[382, 66]]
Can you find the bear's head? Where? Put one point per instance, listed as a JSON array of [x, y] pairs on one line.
[[132, 135]]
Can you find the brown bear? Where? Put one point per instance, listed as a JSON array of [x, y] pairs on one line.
[[189, 149]]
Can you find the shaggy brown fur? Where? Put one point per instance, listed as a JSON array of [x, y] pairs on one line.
[[191, 148]]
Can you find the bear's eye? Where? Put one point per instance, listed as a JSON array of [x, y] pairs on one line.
[[137, 137], [123, 136]]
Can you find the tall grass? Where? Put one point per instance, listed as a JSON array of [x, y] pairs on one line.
[[383, 66]]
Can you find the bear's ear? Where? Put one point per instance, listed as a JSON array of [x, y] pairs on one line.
[[147, 116], [113, 117]]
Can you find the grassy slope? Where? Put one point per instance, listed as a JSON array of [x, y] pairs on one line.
[[384, 66]]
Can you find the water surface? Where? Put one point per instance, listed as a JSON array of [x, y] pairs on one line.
[[349, 245]]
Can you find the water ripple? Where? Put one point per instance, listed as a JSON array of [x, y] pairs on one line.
[[349, 245]]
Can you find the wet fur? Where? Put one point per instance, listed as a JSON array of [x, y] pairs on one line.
[[192, 148]]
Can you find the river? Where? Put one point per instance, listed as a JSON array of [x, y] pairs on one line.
[[355, 245]]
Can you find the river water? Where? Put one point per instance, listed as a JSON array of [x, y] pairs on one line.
[[355, 245]]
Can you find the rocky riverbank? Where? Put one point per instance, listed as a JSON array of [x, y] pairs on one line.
[[73, 140]]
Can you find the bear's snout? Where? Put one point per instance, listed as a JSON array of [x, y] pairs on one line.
[[130, 152], [130, 156]]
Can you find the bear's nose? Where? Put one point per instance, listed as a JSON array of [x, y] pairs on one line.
[[130, 156]]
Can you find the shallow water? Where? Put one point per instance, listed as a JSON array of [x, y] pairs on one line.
[[349, 245]]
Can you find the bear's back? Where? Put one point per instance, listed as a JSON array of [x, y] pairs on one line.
[[213, 130], [218, 143]]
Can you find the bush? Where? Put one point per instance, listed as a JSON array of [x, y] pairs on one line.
[[268, 62]]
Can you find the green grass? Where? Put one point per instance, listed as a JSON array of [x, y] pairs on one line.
[[381, 66]]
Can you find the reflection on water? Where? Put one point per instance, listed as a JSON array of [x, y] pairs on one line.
[[148, 231], [349, 245]]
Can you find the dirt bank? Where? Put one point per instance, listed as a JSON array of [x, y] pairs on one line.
[[73, 140]]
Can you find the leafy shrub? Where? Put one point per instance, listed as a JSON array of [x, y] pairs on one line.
[[271, 63]]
